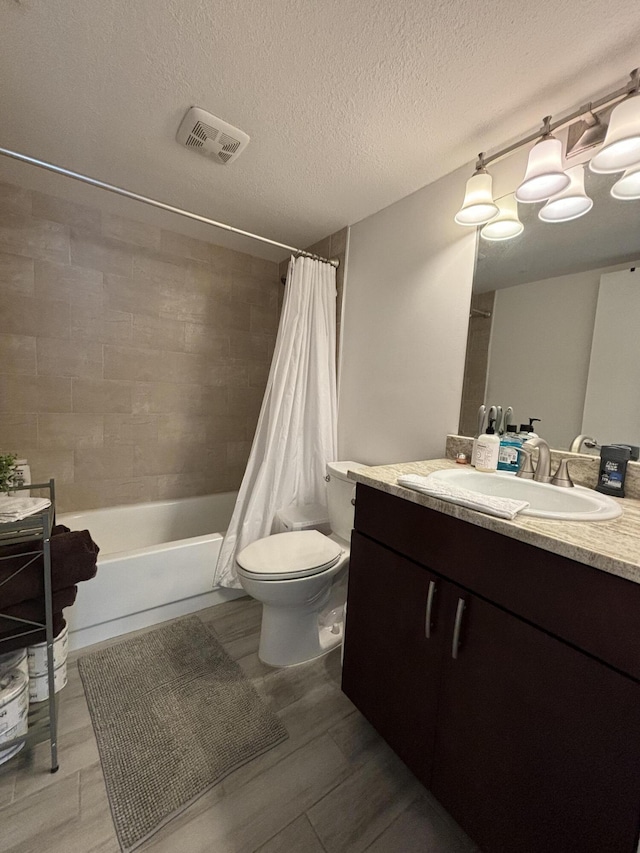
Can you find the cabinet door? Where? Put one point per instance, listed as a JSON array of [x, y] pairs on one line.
[[538, 745], [391, 667]]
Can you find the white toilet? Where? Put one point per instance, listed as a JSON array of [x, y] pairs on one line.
[[300, 578]]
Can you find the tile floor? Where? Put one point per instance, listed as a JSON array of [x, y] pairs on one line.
[[334, 786]]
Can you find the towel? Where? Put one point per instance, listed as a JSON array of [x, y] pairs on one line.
[[500, 507], [15, 509]]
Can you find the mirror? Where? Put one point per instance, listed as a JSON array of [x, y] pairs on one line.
[[553, 323]]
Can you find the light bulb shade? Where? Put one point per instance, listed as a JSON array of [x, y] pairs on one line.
[[627, 188], [478, 206], [544, 176], [571, 203], [621, 149], [506, 224]]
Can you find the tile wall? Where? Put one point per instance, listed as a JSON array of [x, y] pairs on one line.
[[133, 360]]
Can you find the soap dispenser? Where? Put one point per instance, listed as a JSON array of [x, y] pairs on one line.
[[487, 450], [528, 430], [509, 453]]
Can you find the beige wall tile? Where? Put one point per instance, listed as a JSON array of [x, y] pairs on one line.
[[232, 373], [238, 453], [35, 238], [18, 433], [194, 307], [70, 431], [69, 358], [14, 198], [62, 281], [231, 317], [99, 253], [252, 290], [258, 374], [150, 264], [182, 485], [35, 394], [180, 427], [17, 354], [264, 321], [166, 397], [139, 296], [16, 275], [148, 365], [226, 427], [221, 257], [45, 464], [184, 247], [101, 396], [158, 332], [121, 429], [207, 340], [103, 463], [252, 347], [246, 401], [29, 315], [214, 400], [91, 321], [66, 212], [99, 493], [130, 231], [263, 268], [168, 458]]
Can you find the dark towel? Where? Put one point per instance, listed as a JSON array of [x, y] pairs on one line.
[[59, 528], [11, 644], [73, 559], [33, 609]]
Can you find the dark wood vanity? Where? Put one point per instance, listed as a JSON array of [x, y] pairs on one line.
[[505, 676]]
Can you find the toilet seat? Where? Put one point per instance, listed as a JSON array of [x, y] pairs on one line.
[[287, 556]]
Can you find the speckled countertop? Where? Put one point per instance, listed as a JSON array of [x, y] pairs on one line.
[[611, 546]]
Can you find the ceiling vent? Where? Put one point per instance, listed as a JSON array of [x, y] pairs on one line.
[[209, 135]]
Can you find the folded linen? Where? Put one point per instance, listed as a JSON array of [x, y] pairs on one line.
[[489, 504], [15, 509]]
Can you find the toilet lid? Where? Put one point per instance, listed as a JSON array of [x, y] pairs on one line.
[[297, 553]]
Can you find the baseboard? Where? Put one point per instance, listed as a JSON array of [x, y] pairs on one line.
[[134, 621]]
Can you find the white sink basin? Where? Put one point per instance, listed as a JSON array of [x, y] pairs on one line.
[[545, 500]]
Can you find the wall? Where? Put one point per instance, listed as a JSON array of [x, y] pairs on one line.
[[133, 359], [405, 326]]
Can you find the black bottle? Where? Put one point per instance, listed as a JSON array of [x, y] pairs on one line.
[[613, 468]]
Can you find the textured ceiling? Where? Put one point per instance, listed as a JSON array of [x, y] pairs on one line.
[[350, 104]]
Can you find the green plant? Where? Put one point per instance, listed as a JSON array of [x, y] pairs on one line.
[[8, 475]]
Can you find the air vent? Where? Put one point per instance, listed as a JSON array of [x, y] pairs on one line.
[[211, 136]]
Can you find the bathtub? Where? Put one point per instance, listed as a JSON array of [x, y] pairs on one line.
[[156, 562]]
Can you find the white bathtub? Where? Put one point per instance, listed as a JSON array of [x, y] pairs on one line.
[[156, 562]]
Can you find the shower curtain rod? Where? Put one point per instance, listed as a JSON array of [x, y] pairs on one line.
[[51, 167]]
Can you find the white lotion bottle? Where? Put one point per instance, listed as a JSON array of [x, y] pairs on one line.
[[488, 450]]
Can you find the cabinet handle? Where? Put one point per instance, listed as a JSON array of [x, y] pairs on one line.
[[456, 628], [427, 620]]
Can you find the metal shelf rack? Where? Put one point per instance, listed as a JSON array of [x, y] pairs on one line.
[[36, 529]]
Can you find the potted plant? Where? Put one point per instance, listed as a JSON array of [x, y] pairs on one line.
[[9, 477]]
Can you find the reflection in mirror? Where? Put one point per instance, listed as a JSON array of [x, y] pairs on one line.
[[553, 324]]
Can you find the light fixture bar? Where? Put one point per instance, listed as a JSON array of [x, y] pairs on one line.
[[592, 106]]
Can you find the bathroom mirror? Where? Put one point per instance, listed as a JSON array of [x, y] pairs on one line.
[[554, 322]]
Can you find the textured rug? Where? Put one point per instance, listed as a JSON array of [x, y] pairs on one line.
[[173, 715]]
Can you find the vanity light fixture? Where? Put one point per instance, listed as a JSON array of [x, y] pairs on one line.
[[627, 188], [544, 176], [478, 206], [621, 149], [506, 224], [571, 203]]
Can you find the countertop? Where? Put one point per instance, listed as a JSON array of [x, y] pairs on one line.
[[611, 546]]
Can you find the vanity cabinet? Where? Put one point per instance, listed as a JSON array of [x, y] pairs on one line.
[[531, 742]]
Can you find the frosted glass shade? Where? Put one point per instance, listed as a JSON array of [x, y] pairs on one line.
[[571, 203], [478, 206], [544, 176], [506, 224], [621, 148], [628, 187]]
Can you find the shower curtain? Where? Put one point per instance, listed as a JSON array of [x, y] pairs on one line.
[[296, 432]]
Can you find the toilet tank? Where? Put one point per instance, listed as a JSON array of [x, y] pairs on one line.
[[340, 491]]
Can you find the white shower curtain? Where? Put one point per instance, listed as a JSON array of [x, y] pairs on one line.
[[296, 432]]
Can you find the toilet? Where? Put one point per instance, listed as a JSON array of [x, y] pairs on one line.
[[300, 575]]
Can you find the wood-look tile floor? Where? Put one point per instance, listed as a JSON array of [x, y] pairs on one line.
[[334, 786]]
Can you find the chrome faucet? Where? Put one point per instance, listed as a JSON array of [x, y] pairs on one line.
[[543, 468], [542, 472], [579, 440]]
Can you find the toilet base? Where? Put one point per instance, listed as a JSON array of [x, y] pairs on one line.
[[289, 637]]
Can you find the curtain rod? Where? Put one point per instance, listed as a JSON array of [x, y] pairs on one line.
[[51, 167]]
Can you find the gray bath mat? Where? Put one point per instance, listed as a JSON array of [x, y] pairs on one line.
[[173, 715]]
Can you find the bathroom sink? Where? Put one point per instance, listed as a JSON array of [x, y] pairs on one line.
[[545, 500]]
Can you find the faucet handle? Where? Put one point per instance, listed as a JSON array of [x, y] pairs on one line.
[[562, 477], [526, 470]]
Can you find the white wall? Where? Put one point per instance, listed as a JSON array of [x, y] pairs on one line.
[[405, 326]]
